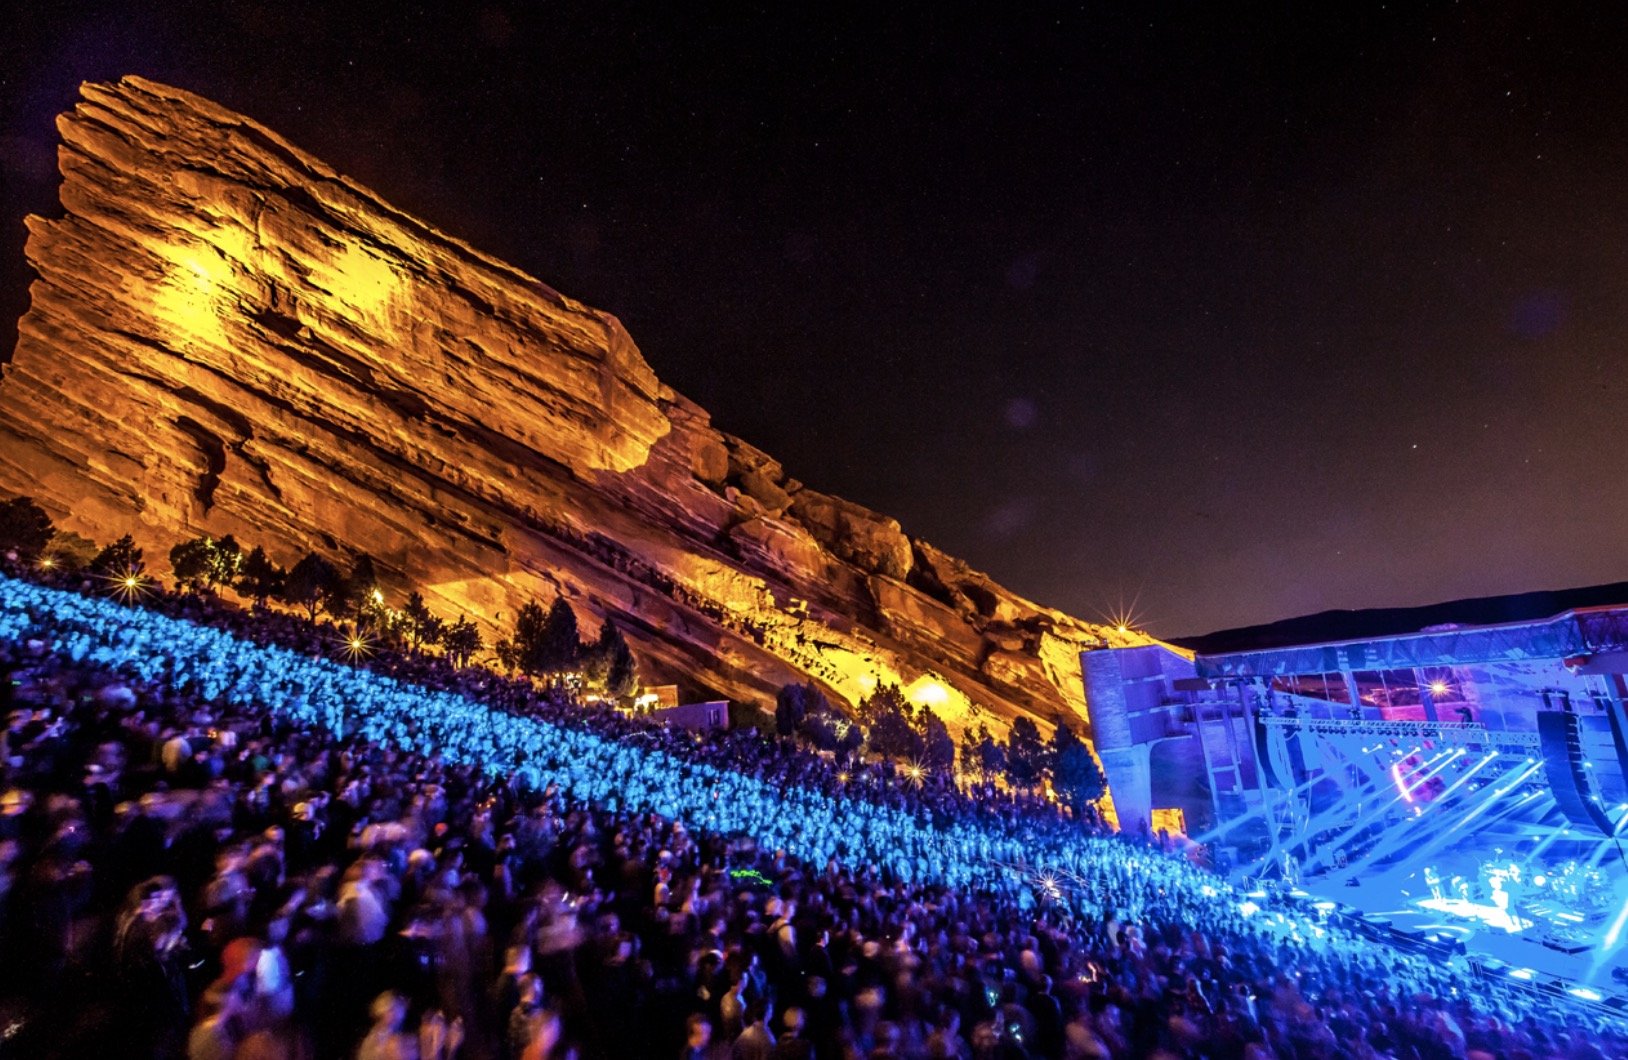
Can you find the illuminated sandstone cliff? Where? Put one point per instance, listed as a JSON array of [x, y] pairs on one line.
[[227, 336]]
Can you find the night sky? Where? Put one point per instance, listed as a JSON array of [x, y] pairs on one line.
[[1231, 315]]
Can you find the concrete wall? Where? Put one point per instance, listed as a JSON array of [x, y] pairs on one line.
[[697, 717], [1133, 707]]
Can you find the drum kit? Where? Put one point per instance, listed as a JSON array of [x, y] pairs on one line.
[[1582, 887], [1572, 886]]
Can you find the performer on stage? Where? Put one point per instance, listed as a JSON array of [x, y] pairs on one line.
[[1515, 884], [1500, 899], [1433, 881]]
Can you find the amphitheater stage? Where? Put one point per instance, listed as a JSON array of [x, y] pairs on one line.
[[1553, 927]]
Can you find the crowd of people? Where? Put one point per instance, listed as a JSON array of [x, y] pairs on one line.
[[215, 841], [741, 749]]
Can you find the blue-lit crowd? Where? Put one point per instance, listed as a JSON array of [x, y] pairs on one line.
[[216, 841]]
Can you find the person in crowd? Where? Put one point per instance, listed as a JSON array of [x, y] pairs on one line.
[[279, 854], [756, 1042]]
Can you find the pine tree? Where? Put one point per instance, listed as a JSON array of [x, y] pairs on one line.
[[1075, 775], [893, 732], [937, 745], [883, 700], [1025, 754], [421, 626], [622, 682], [816, 720], [967, 753], [357, 595], [982, 756], [546, 642], [596, 660], [608, 663], [791, 708], [526, 652], [850, 737], [559, 648]]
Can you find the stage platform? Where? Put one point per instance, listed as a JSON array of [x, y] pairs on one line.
[[1534, 939]]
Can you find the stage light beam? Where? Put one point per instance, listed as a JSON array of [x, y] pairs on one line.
[[1614, 935]]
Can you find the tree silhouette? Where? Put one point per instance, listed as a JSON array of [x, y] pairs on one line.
[[1025, 754], [608, 663], [792, 707], [623, 679], [546, 642], [420, 625], [204, 563], [462, 641], [225, 563], [818, 722], [559, 648], [121, 559], [357, 594], [24, 528], [982, 756], [849, 736], [892, 730], [885, 699], [260, 579], [993, 754], [937, 745], [191, 561], [314, 584], [524, 651], [1075, 775]]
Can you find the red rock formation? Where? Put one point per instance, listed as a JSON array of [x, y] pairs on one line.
[[228, 336]]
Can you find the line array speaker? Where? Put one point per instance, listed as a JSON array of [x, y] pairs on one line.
[[1560, 738]]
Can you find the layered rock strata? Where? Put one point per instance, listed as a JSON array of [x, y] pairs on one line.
[[228, 336]]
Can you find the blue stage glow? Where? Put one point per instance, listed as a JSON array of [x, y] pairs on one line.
[[1612, 936]]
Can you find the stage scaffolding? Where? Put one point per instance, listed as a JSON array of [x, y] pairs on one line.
[[1576, 634], [1242, 737], [1332, 770], [1443, 733]]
